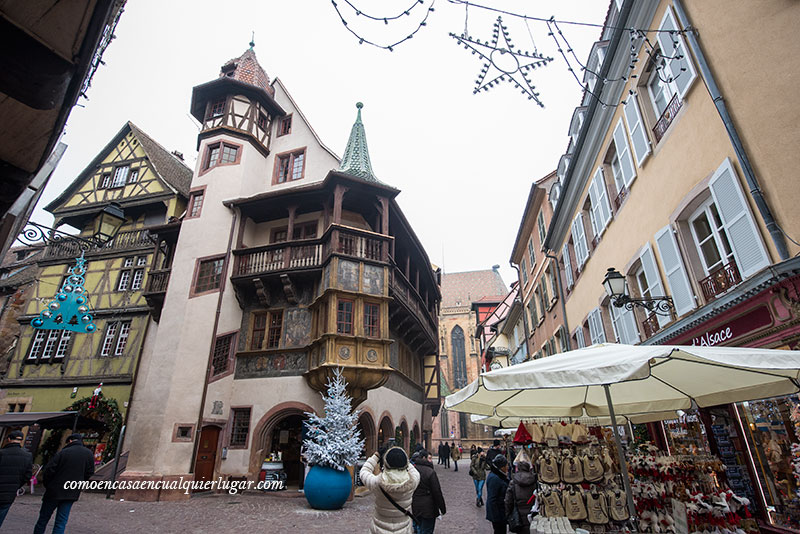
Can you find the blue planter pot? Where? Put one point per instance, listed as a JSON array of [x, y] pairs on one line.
[[326, 488]]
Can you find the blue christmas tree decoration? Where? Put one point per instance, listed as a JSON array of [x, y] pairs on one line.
[[69, 310]]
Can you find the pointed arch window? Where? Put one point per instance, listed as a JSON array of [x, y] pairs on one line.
[[459, 357]]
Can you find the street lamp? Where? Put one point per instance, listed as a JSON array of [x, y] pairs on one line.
[[616, 287], [106, 227]]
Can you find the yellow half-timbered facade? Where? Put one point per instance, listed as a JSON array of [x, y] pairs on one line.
[[50, 369]]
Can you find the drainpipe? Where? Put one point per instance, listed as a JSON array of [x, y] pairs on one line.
[[775, 231], [524, 314], [562, 299], [225, 266]]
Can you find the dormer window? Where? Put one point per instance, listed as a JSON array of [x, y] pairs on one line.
[[120, 176]]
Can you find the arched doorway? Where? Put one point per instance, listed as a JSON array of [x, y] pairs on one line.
[[404, 435], [367, 427], [281, 430], [415, 435], [385, 431]]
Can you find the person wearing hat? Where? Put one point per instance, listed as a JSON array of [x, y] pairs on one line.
[[393, 487], [428, 502], [496, 488], [15, 471], [72, 463], [494, 451]]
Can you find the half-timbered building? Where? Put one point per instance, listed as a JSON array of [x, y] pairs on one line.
[[288, 264]]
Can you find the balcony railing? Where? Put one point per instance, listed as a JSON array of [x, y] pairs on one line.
[[720, 281], [666, 118], [405, 292], [311, 253], [123, 241], [157, 281], [620, 197], [650, 325]]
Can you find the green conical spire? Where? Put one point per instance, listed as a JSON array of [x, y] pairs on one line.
[[356, 156]]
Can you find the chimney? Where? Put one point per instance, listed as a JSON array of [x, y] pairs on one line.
[[177, 154]]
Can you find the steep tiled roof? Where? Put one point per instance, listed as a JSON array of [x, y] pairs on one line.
[[246, 68], [15, 272], [355, 161], [168, 166], [472, 286]]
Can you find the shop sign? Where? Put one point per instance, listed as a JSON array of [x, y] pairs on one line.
[[749, 322], [32, 438]]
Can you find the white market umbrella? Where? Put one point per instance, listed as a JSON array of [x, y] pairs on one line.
[[610, 379], [513, 422]]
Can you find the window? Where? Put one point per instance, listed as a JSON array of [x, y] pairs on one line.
[[141, 261], [124, 279], [344, 317], [598, 198], [579, 241], [195, 203], [285, 126], [597, 333], [524, 268], [216, 108], [551, 272], [209, 275], [263, 122], [580, 342], [710, 237], [120, 176], [633, 118], [532, 313], [623, 322], [48, 344], [133, 177], [674, 271], [659, 90], [568, 267], [621, 162], [541, 292], [267, 330], [290, 166], [460, 378], [220, 154], [531, 253], [223, 350], [372, 320], [138, 276], [240, 427], [542, 229], [105, 181], [131, 279], [115, 338], [304, 231], [678, 67], [128, 262]]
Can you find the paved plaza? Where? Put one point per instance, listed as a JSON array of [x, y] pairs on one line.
[[250, 512]]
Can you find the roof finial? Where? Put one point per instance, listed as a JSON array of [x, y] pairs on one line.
[[359, 105], [253, 40]]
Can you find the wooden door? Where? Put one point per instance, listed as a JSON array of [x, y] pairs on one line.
[[206, 454]]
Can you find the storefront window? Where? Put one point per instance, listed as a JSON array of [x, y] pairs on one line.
[[772, 432], [686, 435]]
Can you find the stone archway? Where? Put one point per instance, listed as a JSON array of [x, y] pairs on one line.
[[280, 429], [385, 430], [415, 435], [404, 435], [367, 427]]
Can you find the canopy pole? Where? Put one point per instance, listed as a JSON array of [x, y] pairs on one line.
[[75, 423], [623, 465]]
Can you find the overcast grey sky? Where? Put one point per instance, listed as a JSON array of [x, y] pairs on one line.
[[464, 162]]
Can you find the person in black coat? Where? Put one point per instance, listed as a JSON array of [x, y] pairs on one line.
[[74, 463], [428, 502], [496, 488], [439, 454], [493, 451], [520, 494], [446, 454], [15, 471]]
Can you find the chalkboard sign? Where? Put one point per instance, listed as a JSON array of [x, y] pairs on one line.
[[33, 438]]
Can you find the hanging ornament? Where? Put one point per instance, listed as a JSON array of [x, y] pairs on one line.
[[69, 309], [502, 63]]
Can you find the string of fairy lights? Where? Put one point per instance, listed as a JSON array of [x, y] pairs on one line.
[[503, 62]]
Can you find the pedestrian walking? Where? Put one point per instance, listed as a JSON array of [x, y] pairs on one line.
[[494, 451], [393, 488], [16, 465], [72, 463], [496, 487], [473, 450], [477, 470], [455, 454], [446, 454], [428, 502], [440, 453], [520, 496]]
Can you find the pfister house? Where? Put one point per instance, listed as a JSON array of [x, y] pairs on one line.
[[288, 263], [681, 173]]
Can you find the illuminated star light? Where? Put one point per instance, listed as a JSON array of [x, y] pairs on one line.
[[508, 64]]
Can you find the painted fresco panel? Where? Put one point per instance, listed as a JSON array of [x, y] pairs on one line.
[[271, 365], [373, 280], [298, 327], [348, 275]]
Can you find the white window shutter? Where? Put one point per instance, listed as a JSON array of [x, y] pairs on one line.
[[682, 294], [604, 209], [641, 145], [596, 331], [748, 249], [568, 267], [579, 339], [624, 323], [653, 279], [624, 154], [678, 65], [579, 240]]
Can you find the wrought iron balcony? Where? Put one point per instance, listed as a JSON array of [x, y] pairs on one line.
[[666, 117], [721, 280], [650, 325]]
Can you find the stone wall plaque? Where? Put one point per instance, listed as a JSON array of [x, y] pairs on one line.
[[344, 353], [372, 355], [270, 365]]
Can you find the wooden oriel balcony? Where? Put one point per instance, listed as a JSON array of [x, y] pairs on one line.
[[155, 290], [131, 239]]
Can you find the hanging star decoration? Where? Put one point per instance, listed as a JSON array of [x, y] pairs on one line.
[[503, 62], [69, 310]]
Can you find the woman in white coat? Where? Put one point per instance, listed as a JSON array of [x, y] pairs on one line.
[[399, 479]]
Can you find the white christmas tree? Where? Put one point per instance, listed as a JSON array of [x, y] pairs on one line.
[[334, 440]]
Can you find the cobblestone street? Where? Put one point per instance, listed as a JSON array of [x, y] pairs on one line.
[[251, 512]]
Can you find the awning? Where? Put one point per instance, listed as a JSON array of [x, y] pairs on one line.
[[51, 420]]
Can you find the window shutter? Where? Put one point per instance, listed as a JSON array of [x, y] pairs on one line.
[[624, 154], [625, 327], [596, 331], [579, 240], [673, 47], [603, 212], [568, 267], [653, 278], [579, 339], [748, 249], [682, 294], [641, 145]]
